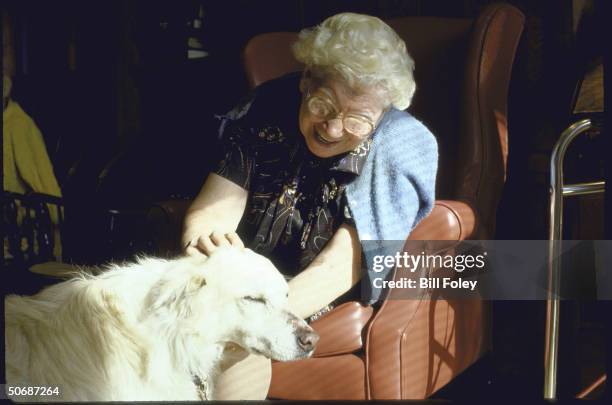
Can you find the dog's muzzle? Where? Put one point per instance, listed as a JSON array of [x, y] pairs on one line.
[[307, 338]]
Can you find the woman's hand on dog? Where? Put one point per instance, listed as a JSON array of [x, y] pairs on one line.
[[206, 245]]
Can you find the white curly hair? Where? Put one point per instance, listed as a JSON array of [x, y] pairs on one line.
[[363, 52]]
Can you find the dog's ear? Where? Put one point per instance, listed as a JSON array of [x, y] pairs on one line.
[[174, 294]]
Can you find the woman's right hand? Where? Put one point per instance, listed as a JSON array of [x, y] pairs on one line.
[[213, 217], [206, 245]]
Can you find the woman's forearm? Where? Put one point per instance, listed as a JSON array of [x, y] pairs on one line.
[[333, 272], [217, 208]]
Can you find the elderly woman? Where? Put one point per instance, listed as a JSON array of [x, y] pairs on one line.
[[315, 164]]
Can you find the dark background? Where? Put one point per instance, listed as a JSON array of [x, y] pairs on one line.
[[128, 120]]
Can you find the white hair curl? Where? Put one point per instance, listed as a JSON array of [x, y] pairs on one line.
[[362, 51]]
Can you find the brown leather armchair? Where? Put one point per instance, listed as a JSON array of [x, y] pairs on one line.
[[410, 348]]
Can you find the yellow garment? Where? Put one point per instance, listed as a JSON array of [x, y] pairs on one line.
[[26, 164]]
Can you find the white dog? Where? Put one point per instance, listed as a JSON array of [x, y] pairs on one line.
[[154, 330]]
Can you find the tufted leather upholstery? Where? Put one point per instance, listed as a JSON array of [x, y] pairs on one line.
[[410, 348]]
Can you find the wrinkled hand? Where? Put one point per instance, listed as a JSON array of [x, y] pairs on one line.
[[206, 245]]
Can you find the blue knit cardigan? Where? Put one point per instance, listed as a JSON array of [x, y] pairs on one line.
[[395, 190]]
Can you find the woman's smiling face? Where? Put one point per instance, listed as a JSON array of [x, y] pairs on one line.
[[334, 119]]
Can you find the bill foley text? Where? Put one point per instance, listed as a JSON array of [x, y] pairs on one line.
[[427, 283]]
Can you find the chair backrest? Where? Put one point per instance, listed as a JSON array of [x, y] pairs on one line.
[[462, 72], [268, 56]]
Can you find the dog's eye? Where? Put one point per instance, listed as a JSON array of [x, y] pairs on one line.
[[254, 299]]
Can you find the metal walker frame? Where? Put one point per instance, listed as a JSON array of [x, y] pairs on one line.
[[558, 191]]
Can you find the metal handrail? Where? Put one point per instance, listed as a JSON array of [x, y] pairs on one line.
[[594, 187], [557, 192]]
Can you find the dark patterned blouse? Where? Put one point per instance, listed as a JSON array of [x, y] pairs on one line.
[[296, 200]]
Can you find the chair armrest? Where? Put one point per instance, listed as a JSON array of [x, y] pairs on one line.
[[449, 220], [341, 329], [394, 338], [415, 347]]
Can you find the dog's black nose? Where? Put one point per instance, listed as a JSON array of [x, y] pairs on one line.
[[307, 339]]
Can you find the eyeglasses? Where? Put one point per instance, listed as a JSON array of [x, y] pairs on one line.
[[323, 108]]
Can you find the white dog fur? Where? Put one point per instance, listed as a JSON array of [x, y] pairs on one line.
[[147, 331]]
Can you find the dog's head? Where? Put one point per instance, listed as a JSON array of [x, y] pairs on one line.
[[253, 296], [239, 297]]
